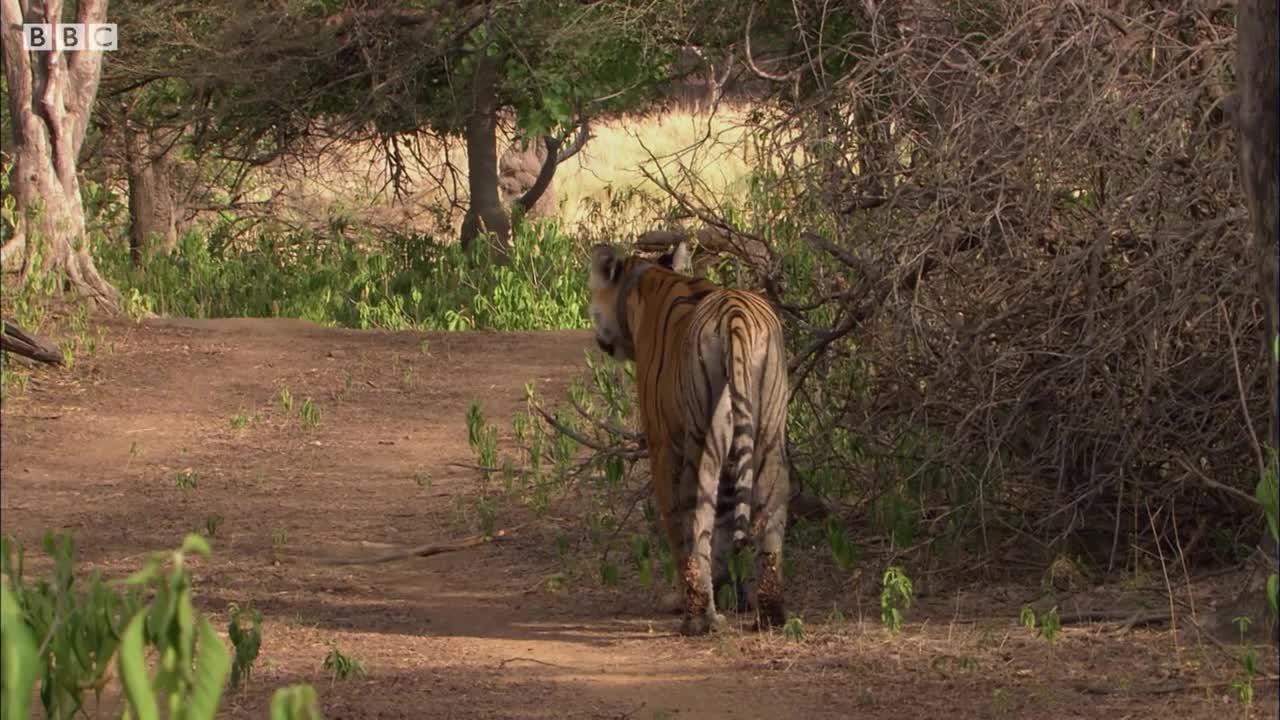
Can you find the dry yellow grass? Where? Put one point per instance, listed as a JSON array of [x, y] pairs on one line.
[[709, 152]]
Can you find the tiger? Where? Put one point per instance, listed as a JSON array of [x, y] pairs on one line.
[[712, 388]]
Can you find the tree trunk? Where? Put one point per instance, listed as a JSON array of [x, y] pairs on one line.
[[525, 178], [485, 212], [152, 201], [51, 95], [1258, 124]]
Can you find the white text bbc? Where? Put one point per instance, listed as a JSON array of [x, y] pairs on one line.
[[69, 37]]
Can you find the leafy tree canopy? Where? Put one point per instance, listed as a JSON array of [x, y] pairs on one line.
[[256, 76]]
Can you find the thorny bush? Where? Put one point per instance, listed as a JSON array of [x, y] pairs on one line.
[[1011, 246]]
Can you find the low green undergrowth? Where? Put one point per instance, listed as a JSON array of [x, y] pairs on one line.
[[77, 635], [396, 284]]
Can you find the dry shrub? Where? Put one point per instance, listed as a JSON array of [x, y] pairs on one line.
[[1035, 247]]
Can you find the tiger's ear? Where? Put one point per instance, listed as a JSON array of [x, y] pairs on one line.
[[678, 259], [682, 258], [606, 263]]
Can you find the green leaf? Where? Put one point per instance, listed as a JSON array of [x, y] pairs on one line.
[[295, 701], [213, 664], [18, 659], [608, 573], [1273, 594], [149, 571], [1268, 494], [133, 670], [558, 110], [195, 544], [186, 618], [1027, 617]]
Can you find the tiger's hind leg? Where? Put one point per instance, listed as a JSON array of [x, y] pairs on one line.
[[703, 458], [769, 527]]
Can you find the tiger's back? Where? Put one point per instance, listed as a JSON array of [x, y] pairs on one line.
[[712, 390]]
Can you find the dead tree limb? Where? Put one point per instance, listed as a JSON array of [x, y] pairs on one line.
[[16, 340]]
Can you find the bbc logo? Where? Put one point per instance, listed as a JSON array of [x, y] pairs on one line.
[[71, 37]]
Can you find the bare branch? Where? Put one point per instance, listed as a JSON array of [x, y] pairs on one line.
[[578, 438], [751, 63], [579, 142]]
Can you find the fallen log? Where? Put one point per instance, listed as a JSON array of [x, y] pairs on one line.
[[16, 340]]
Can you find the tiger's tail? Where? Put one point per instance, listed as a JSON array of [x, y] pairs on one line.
[[742, 443]]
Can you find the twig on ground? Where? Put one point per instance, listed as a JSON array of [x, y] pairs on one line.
[[430, 549], [1127, 620], [531, 660]]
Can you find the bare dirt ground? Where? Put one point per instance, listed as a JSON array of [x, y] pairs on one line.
[[477, 633]]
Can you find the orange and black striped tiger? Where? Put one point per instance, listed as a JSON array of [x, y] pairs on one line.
[[711, 375]]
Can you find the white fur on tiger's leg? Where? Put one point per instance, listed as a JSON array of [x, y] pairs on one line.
[[700, 616]]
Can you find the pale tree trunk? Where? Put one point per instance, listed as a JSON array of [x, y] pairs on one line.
[[484, 212], [153, 204], [51, 95]]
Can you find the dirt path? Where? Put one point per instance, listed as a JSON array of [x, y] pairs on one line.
[[474, 634]]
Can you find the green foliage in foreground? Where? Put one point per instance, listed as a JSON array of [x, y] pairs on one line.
[[405, 283], [1268, 494], [64, 634]]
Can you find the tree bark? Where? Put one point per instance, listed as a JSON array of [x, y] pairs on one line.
[[1258, 126], [485, 212], [51, 95], [153, 218]]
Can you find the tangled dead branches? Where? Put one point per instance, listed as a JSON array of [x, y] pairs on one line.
[[1033, 247]]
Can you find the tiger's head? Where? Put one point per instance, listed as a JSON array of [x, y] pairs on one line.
[[612, 276]]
